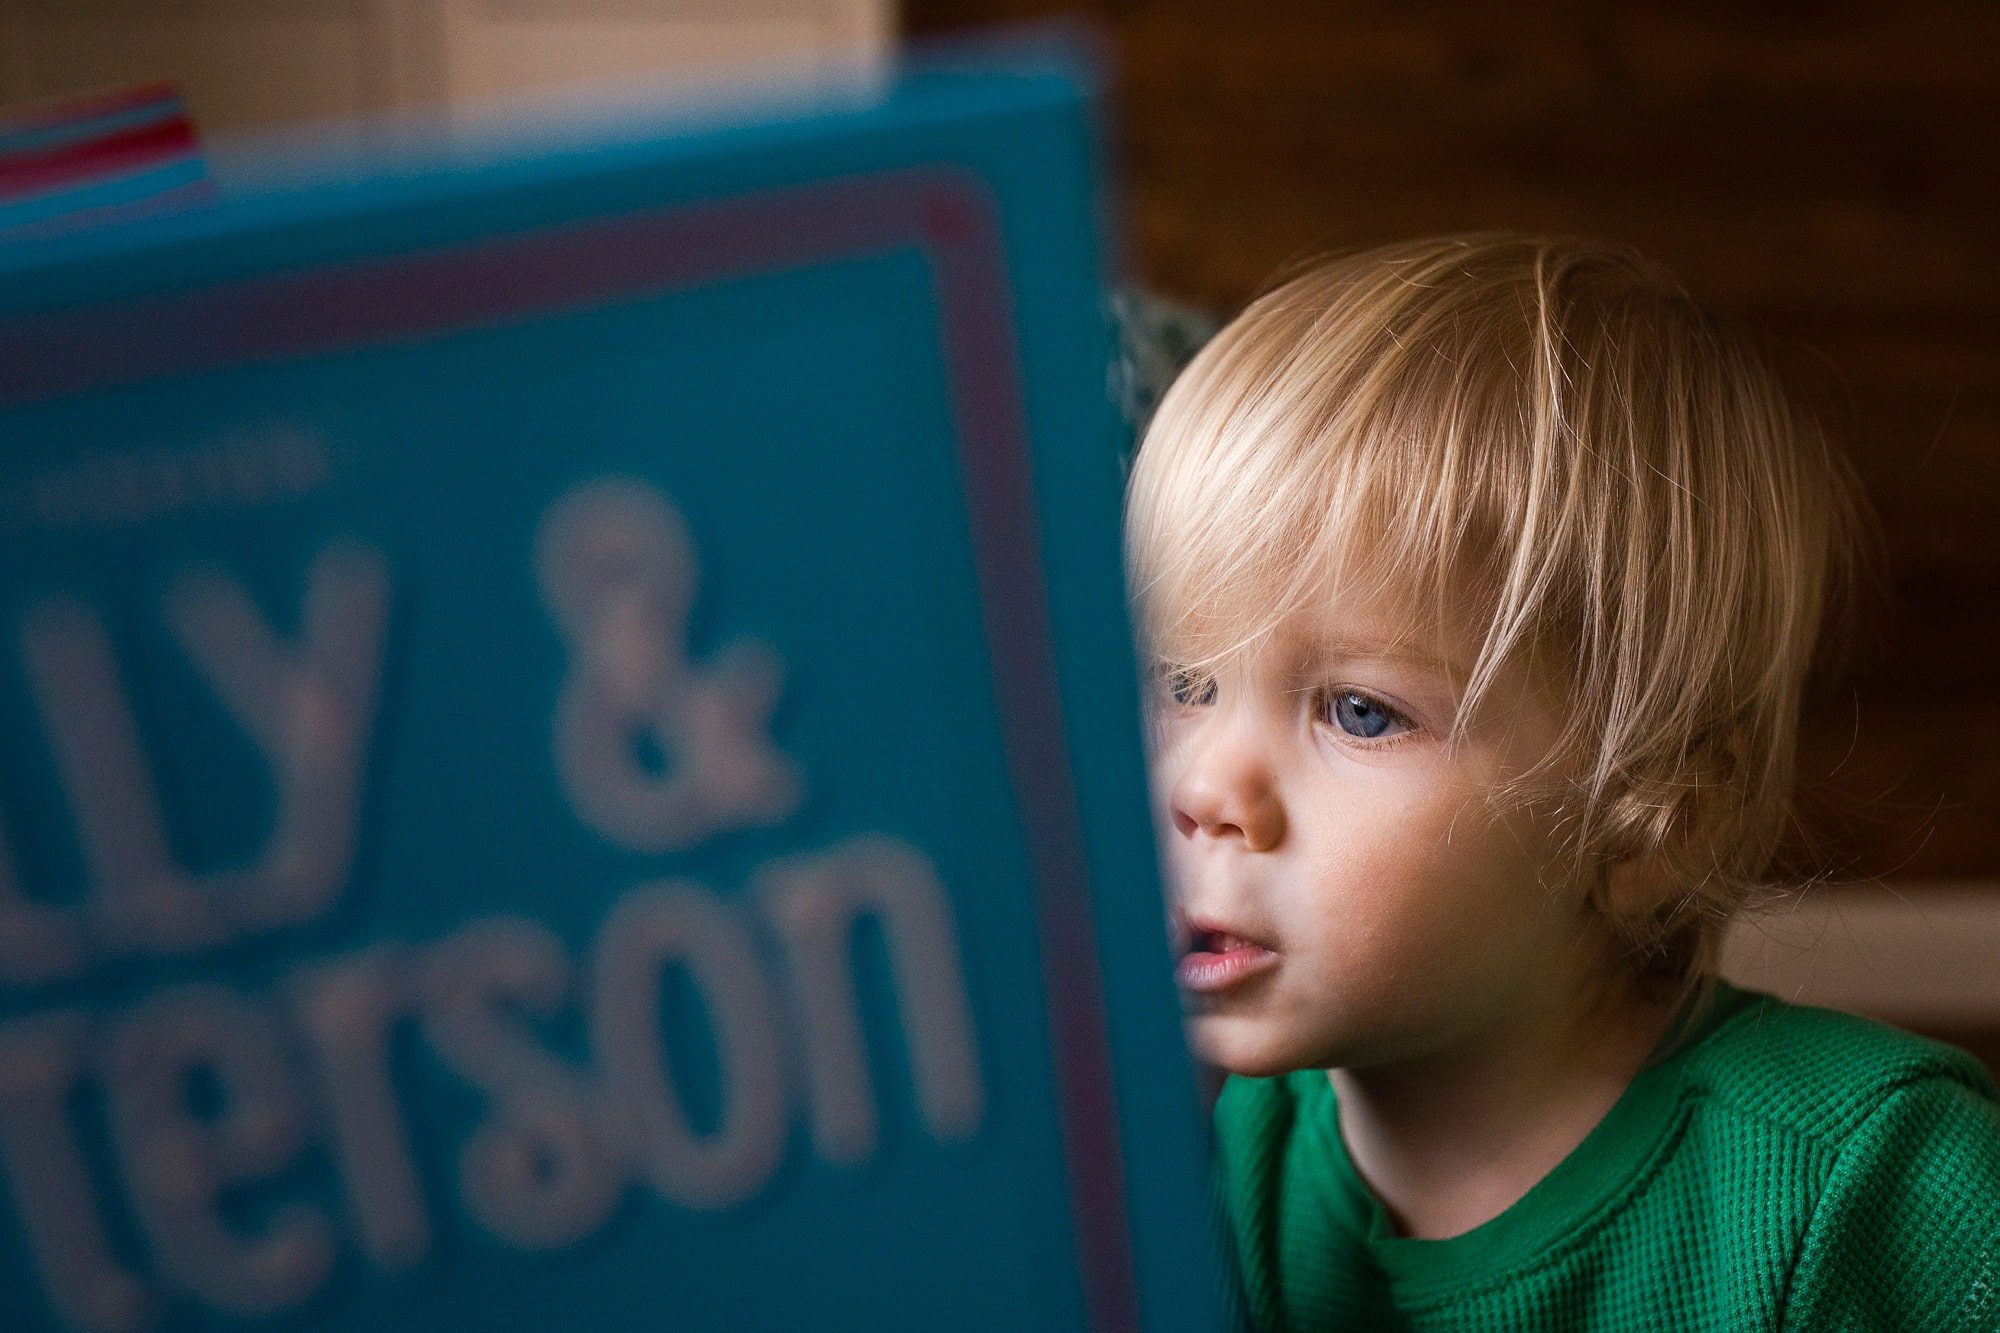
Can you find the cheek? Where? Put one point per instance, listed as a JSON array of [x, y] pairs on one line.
[[1417, 870], [1163, 770]]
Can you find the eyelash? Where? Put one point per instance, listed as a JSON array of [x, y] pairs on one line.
[[1173, 679]]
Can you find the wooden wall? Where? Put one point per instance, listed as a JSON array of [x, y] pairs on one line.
[[1829, 172]]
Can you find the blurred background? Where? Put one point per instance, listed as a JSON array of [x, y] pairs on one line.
[[254, 63], [1829, 173]]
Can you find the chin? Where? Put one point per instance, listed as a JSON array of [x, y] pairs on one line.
[[1234, 1047]]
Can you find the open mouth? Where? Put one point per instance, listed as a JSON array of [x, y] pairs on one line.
[[1218, 942], [1215, 960]]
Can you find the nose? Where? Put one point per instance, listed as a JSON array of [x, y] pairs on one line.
[[1226, 787]]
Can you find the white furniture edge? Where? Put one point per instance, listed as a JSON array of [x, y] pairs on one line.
[[1915, 953]]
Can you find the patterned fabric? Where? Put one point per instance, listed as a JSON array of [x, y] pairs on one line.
[[1787, 1168], [1155, 339]]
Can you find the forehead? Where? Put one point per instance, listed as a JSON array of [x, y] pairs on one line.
[[1353, 622], [1383, 627]]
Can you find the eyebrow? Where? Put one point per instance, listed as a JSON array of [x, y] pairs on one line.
[[1331, 647]]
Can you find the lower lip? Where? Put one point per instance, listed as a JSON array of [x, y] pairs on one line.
[[1211, 972]]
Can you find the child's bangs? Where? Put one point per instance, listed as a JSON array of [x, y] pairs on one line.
[[1393, 431], [1254, 511]]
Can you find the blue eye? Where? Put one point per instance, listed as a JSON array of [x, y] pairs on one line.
[[1363, 717], [1188, 687]]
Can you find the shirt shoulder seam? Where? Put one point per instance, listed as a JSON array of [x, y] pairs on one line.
[[1840, 1145]]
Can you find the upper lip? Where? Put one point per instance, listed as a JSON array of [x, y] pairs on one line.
[[1190, 926]]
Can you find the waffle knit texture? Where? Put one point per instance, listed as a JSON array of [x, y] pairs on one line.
[[1786, 1167]]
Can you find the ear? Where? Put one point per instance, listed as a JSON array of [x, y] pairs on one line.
[[1639, 883], [1635, 885]]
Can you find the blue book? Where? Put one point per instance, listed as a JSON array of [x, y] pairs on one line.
[[569, 749]]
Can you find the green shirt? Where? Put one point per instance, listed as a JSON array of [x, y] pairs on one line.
[[1785, 1167]]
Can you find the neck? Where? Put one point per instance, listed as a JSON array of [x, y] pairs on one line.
[[1453, 1139]]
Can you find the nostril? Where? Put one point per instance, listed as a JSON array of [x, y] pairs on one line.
[[1184, 824]]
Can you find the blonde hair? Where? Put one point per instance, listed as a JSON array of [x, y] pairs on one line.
[[1547, 441]]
